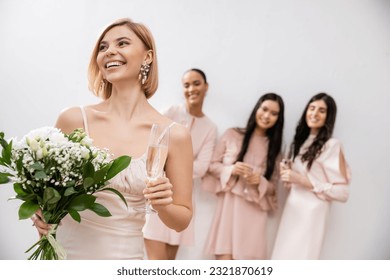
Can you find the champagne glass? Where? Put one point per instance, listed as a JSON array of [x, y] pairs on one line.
[[248, 172], [286, 157], [156, 157], [286, 160]]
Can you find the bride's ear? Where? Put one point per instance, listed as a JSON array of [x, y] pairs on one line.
[[149, 57]]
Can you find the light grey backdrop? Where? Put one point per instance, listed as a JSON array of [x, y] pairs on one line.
[[292, 47]]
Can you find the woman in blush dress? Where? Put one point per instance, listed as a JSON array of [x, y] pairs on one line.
[[123, 72], [162, 242], [317, 175], [243, 174]]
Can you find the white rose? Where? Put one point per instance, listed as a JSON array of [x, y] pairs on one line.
[[39, 154], [85, 153], [34, 145], [86, 141]]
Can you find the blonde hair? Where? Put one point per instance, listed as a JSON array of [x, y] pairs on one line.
[[101, 87]]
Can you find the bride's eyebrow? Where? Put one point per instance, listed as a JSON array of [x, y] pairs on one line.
[[116, 40], [121, 38]]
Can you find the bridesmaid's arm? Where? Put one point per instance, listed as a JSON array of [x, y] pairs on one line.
[[203, 159], [338, 187], [219, 168]]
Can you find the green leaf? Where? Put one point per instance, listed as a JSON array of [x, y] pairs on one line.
[[100, 210], [19, 163], [47, 215], [118, 165], [51, 196], [26, 197], [6, 153], [27, 209], [69, 191], [4, 178], [117, 193], [70, 184], [18, 188], [88, 182], [75, 215], [40, 175], [37, 166], [81, 202], [101, 174], [88, 170]]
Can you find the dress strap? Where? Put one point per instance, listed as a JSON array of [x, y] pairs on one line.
[[172, 124], [84, 119]]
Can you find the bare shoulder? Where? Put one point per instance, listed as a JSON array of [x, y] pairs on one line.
[[69, 119], [333, 143], [179, 135]]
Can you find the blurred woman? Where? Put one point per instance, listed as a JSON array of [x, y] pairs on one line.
[[162, 242], [317, 175], [243, 174]]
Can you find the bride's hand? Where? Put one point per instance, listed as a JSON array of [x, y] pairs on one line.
[[42, 227], [159, 192]]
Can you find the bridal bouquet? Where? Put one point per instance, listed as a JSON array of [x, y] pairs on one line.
[[59, 174]]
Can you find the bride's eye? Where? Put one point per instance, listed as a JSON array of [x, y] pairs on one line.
[[102, 47]]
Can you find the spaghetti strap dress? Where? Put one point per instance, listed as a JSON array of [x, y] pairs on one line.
[[118, 237]]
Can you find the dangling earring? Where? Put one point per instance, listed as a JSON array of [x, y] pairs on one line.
[[143, 74]]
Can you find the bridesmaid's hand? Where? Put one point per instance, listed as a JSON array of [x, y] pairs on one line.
[[293, 177], [159, 192], [253, 179], [242, 169], [42, 227]]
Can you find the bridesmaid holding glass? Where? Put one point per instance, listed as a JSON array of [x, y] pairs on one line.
[[162, 242], [243, 175], [317, 175]]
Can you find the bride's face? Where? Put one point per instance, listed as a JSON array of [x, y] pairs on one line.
[[121, 54]]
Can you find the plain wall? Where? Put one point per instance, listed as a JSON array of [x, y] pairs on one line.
[[295, 48]]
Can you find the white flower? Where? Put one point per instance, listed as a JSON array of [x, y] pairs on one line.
[[39, 154], [57, 137], [86, 141], [33, 144]]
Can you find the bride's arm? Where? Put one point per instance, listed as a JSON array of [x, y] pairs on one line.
[[174, 194], [69, 119]]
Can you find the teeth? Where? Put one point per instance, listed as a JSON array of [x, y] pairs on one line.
[[113, 63]]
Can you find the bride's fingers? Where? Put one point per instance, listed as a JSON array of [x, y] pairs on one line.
[[162, 186], [165, 193], [161, 201]]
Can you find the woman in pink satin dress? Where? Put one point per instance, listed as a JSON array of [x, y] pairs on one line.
[[317, 175], [243, 174], [123, 73], [161, 242]]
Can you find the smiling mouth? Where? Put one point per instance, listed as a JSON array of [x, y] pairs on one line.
[[113, 64], [264, 122]]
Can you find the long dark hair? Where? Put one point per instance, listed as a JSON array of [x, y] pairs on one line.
[[274, 134], [302, 131]]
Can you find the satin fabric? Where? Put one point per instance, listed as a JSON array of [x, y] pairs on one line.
[[303, 224], [118, 236]]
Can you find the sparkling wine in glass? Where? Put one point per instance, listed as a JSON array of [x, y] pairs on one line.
[[286, 156], [156, 156]]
